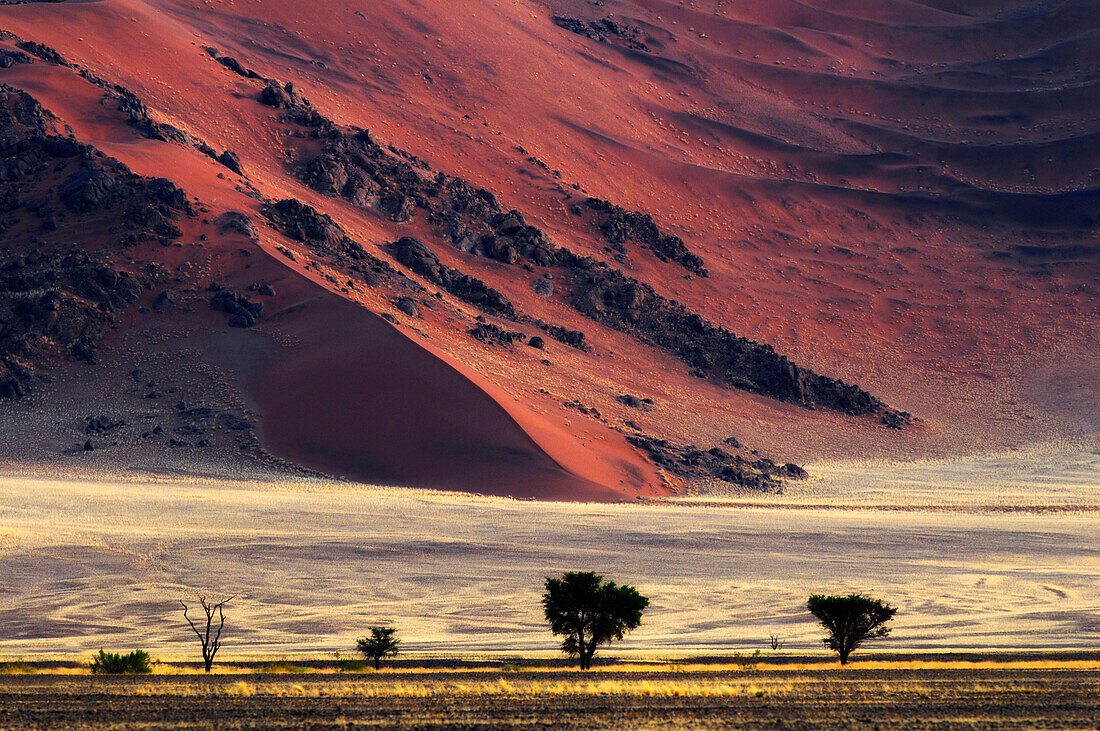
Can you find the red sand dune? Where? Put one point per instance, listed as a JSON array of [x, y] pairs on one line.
[[898, 194]]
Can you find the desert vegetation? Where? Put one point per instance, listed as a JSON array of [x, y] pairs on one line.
[[210, 637], [136, 662], [850, 620], [588, 612], [638, 697], [380, 643]]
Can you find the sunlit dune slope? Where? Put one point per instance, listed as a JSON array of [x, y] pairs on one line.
[[899, 197]]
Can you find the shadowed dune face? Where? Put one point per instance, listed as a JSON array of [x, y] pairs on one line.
[[900, 195]]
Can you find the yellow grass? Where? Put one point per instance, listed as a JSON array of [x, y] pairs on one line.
[[498, 687], [285, 667]]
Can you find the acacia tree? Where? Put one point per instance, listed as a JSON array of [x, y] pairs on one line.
[[209, 637], [381, 643], [590, 612], [850, 620]]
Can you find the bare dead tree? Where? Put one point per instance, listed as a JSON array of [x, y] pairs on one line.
[[211, 637], [777, 642]]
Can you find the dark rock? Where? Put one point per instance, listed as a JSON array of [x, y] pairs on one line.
[[793, 471], [537, 342], [163, 302], [244, 318], [408, 306], [415, 255], [619, 226], [543, 286], [603, 30], [239, 222], [107, 278], [590, 411], [101, 424], [716, 463], [634, 402], [895, 419], [230, 160], [494, 335], [282, 97], [236, 67], [234, 423]]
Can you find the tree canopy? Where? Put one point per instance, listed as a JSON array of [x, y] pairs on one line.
[[850, 620], [590, 612], [382, 642]]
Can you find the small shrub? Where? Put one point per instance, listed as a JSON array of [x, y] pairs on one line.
[[747, 663], [115, 663], [17, 668], [352, 666], [283, 666]]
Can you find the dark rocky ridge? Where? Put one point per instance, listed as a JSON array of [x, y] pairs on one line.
[[413, 254], [59, 301], [603, 30], [619, 226], [353, 166], [324, 236], [138, 115], [715, 463]]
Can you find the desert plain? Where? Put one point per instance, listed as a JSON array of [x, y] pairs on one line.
[[997, 625]]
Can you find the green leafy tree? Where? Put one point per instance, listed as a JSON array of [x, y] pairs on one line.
[[381, 643], [850, 620], [590, 612]]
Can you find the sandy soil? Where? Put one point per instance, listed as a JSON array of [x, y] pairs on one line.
[[909, 699], [97, 561]]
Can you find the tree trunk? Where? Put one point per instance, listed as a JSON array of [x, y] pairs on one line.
[[377, 663], [209, 662]]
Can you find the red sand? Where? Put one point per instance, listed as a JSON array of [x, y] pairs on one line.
[[814, 156]]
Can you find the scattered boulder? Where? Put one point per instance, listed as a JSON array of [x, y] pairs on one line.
[[243, 311], [544, 285], [408, 306], [537, 342], [494, 335], [282, 97], [163, 301], [238, 222], [230, 160], [644, 404], [101, 424]]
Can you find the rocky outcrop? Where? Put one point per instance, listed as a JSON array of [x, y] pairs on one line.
[[242, 311], [603, 30], [355, 167], [625, 304], [415, 255], [715, 463], [324, 236], [620, 226], [137, 113], [54, 300], [491, 334]]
